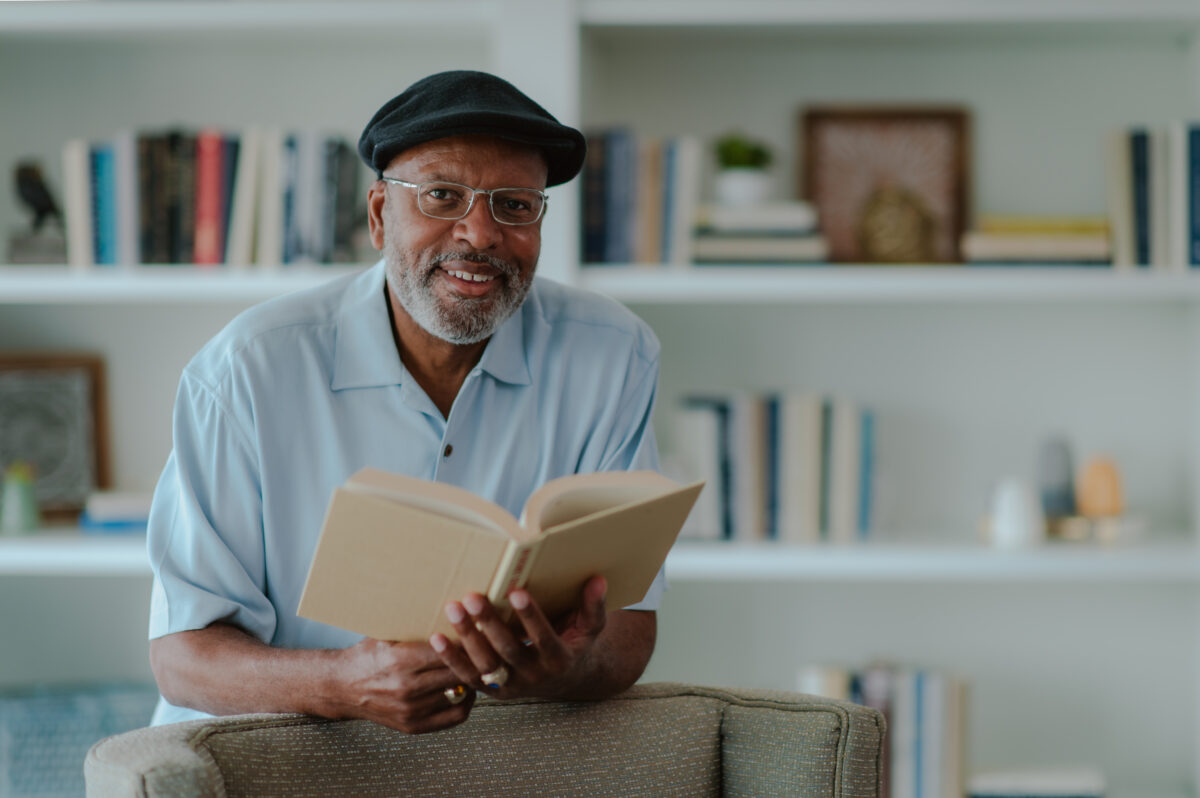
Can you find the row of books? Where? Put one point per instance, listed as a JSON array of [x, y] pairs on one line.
[[207, 197], [1153, 180], [791, 466], [639, 197], [925, 710]]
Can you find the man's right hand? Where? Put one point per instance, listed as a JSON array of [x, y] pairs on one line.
[[222, 670], [401, 685]]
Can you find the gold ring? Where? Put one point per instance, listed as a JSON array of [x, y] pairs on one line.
[[456, 694], [496, 678]]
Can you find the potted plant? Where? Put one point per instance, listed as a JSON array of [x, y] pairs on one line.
[[742, 177]]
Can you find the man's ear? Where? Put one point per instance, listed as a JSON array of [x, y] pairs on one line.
[[376, 199]]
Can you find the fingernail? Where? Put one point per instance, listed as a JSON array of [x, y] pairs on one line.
[[519, 599], [455, 613], [474, 604], [438, 642]]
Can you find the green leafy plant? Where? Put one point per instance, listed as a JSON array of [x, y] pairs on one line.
[[735, 150]]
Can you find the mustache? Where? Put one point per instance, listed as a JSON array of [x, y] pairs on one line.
[[509, 270]]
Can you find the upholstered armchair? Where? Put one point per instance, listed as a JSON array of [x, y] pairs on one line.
[[654, 740]]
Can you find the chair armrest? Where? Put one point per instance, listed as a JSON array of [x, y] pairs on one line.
[[655, 739]]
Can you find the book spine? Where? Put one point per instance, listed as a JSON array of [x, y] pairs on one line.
[[104, 221], [866, 474], [511, 573], [826, 465], [125, 187], [208, 247], [1193, 195], [1139, 157], [774, 468], [77, 204]]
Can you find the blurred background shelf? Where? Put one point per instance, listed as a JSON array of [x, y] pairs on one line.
[[1177, 562]]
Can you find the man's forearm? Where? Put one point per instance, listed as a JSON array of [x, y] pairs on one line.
[[618, 659], [222, 670]]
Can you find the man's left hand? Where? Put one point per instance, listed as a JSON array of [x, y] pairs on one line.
[[548, 662]]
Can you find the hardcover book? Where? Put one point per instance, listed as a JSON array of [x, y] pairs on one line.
[[395, 549]]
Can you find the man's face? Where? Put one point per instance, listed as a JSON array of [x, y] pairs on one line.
[[458, 279]]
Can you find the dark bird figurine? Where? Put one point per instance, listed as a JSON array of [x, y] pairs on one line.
[[35, 194]]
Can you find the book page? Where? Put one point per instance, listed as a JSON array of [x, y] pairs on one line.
[[627, 545], [576, 496], [385, 569], [437, 497]]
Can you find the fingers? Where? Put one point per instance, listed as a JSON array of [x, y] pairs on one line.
[[485, 643]]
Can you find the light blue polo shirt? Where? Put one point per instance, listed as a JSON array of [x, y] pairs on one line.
[[297, 393]]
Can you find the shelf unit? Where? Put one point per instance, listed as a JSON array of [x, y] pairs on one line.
[[967, 368], [63, 551]]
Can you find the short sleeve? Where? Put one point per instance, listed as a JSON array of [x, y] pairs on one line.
[[205, 535]]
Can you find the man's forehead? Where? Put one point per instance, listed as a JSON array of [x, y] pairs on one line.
[[472, 151]]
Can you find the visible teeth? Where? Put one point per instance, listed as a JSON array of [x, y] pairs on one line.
[[478, 278]]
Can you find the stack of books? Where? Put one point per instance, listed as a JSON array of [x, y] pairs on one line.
[[778, 232], [925, 709], [1040, 240], [1153, 185], [794, 467], [639, 198], [210, 197]]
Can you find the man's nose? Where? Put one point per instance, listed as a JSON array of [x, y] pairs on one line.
[[479, 228]]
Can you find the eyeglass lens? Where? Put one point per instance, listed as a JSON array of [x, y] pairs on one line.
[[452, 201]]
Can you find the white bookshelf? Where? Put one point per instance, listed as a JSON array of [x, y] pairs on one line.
[[1163, 563], [66, 552], [158, 284], [886, 284], [967, 368]]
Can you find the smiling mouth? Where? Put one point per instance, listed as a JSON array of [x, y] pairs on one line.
[[470, 277]]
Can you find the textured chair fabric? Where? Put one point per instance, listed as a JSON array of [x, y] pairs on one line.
[[654, 740]]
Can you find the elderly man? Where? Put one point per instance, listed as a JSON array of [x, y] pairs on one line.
[[448, 360]]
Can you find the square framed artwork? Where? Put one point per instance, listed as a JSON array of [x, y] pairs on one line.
[[890, 184], [53, 416]]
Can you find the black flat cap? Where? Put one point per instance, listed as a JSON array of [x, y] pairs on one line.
[[464, 102]]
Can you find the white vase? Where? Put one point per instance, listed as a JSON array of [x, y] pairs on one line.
[[742, 186]]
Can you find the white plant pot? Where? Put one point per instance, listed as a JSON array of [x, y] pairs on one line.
[[742, 186]]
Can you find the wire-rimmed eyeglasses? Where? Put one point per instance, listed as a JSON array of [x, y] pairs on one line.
[[439, 199]]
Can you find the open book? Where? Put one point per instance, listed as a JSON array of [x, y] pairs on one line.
[[395, 549]]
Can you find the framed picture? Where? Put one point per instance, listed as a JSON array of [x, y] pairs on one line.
[[53, 416], [890, 184]]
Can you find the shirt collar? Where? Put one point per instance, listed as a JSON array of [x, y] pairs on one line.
[[365, 352]]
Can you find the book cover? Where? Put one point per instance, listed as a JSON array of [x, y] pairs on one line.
[[77, 204], [979, 246], [210, 169], [786, 218], [125, 188], [799, 475], [394, 549], [104, 204], [719, 406], [682, 195], [742, 248], [1119, 198], [244, 202], [698, 448], [268, 237], [844, 471], [1139, 165]]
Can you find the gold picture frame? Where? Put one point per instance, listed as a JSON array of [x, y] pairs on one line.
[[890, 184]]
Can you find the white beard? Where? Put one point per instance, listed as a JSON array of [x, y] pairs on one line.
[[458, 320]]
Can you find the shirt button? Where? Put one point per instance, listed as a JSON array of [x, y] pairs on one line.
[[449, 450]]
